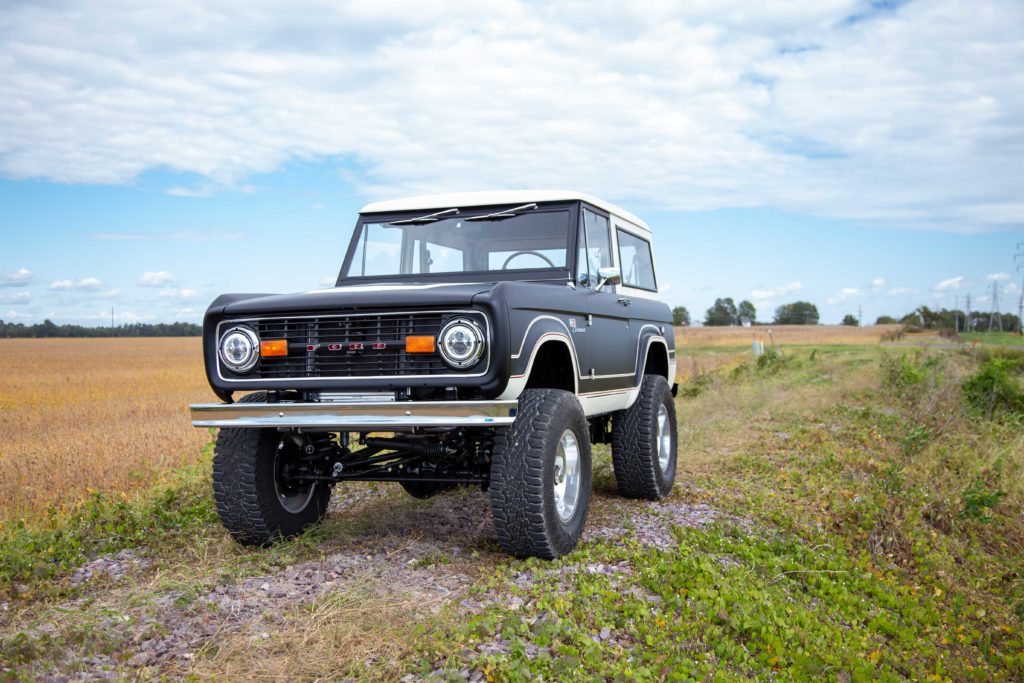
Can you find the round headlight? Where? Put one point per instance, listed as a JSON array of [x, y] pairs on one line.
[[239, 349], [462, 343]]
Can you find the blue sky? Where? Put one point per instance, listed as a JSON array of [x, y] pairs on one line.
[[849, 153]]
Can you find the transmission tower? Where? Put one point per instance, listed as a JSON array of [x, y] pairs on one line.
[[967, 322], [995, 318]]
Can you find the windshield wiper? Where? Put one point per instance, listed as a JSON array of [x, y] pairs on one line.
[[507, 213], [429, 218]]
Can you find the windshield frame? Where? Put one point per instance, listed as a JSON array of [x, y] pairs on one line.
[[562, 273]]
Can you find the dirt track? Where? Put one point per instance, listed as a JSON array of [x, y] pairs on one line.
[[419, 555]]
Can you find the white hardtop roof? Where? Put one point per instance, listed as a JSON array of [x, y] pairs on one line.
[[496, 198]]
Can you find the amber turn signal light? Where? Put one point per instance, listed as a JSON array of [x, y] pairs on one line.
[[419, 344], [274, 347]]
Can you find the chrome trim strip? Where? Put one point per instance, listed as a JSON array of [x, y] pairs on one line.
[[346, 378], [378, 415]]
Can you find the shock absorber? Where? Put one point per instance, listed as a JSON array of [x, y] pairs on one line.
[[418, 447]]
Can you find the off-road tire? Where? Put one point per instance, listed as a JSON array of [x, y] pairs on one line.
[[638, 471], [522, 476], [244, 492]]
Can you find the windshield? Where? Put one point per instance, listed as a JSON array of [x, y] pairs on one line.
[[484, 241]]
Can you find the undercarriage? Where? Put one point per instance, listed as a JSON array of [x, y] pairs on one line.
[[457, 456]]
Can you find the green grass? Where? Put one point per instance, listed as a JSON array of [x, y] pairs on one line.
[[36, 558], [870, 528], [885, 542], [1001, 338]]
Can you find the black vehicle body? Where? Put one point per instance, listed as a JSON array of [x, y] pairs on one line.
[[606, 338], [438, 360]]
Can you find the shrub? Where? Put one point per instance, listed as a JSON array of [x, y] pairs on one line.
[[996, 388], [977, 500], [903, 372]]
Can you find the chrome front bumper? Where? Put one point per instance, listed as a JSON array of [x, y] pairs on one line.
[[379, 415]]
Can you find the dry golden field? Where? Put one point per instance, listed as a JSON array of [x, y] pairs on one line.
[[783, 334], [109, 415], [81, 415]]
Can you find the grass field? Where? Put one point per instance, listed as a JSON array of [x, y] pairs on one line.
[[841, 513], [1004, 338], [783, 334], [83, 415]]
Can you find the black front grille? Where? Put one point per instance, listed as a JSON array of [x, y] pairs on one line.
[[352, 346]]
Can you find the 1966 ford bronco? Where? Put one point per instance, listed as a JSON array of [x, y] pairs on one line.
[[482, 339]]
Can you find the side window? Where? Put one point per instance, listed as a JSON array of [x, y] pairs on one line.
[[582, 272], [636, 262], [598, 246]]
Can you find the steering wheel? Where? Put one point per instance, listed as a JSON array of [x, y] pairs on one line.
[[527, 252]]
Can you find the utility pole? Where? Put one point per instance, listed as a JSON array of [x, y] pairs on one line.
[[956, 314], [967, 314], [111, 321]]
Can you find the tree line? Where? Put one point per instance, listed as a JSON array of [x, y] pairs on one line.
[[953, 319], [725, 312], [48, 328]]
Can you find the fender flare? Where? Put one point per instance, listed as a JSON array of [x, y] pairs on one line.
[[541, 330], [652, 343]]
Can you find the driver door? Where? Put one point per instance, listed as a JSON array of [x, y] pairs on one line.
[[611, 345]]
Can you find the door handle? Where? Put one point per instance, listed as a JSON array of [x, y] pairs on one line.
[[624, 301]]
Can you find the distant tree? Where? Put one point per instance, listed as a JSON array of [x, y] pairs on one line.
[[721, 314], [49, 329], [850, 320], [886, 320], [680, 316], [746, 311], [797, 313]]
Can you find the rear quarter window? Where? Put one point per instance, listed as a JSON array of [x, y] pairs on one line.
[[636, 262]]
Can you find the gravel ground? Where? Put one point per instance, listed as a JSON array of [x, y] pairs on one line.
[[428, 550]]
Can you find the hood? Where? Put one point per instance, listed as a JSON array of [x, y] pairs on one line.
[[354, 298]]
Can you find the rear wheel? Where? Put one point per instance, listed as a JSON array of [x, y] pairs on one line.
[[257, 501], [644, 442], [540, 476]]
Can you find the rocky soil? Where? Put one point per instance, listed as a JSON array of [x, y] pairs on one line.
[[128, 623]]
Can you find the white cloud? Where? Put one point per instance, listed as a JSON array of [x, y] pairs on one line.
[[900, 291], [767, 294], [88, 284], [19, 278], [18, 315], [845, 294], [18, 298], [119, 316], [997, 277], [158, 278], [878, 282], [174, 293], [329, 281], [792, 105], [951, 283]]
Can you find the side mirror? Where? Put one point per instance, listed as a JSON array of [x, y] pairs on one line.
[[607, 276]]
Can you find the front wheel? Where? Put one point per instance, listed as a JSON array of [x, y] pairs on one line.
[[644, 442], [257, 501], [540, 476]]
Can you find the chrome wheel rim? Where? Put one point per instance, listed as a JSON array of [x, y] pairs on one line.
[[293, 499], [664, 438], [567, 475]]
